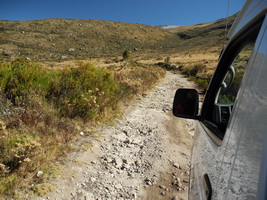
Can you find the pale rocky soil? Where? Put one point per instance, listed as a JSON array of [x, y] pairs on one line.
[[145, 155]]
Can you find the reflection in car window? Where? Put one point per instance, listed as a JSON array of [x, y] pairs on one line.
[[228, 94], [225, 96]]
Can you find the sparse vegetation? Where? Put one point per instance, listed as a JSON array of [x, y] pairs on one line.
[[167, 60], [138, 78], [195, 73], [202, 83]]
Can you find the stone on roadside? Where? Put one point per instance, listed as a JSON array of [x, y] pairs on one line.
[[93, 179], [82, 133], [176, 165], [138, 163], [118, 161], [163, 187], [136, 141], [39, 174], [109, 160]]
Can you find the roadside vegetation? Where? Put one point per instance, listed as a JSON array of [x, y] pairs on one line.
[[42, 111], [197, 74]]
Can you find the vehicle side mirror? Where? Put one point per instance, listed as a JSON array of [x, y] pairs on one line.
[[185, 103]]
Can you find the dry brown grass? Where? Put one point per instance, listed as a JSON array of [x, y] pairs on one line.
[[50, 39], [33, 133], [187, 60], [73, 39]]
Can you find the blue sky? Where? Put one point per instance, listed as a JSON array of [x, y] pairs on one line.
[[150, 12]]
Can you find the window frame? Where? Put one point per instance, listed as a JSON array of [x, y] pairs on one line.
[[226, 59]]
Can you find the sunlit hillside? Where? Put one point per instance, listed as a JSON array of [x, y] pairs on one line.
[[73, 39]]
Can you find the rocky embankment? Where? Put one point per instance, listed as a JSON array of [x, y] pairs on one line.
[[145, 155]]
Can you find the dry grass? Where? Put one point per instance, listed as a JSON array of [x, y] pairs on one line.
[[33, 130], [187, 60], [50, 39]]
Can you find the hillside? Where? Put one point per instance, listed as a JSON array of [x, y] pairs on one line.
[[202, 37], [72, 39], [52, 39]]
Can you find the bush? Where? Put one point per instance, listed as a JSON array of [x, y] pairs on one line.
[[7, 184], [21, 78], [126, 54], [192, 74], [84, 91], [203, 83], [167, 60], [15, 150], [139, 79]]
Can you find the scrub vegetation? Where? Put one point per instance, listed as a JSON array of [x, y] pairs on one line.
[[195, 74], [43, 111]]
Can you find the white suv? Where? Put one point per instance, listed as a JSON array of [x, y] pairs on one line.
[[229, 156]]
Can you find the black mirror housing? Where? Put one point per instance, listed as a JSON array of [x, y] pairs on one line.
[[185, 104]]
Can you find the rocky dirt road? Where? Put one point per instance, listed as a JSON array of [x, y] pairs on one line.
[[146, 155]]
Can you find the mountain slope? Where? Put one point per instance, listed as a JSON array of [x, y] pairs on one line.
[[58, 39], [205, 37]]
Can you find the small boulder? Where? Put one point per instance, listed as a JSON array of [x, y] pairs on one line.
[[71, 49], [39, 174]]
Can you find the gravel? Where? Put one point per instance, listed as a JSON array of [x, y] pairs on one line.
[[145, 155]]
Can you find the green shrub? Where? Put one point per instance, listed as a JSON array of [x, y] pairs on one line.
[[7, 184], [203, 83], [19, 79], [126, 54], [84, 91], [192, 71], [16, 149], [167, 60]]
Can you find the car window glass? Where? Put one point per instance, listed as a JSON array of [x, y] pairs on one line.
[[227, 92], [231, 83]]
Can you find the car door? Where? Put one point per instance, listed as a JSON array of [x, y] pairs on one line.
[[244, 152], [217, 116]]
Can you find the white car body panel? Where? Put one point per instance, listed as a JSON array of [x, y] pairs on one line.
[[236, 164]]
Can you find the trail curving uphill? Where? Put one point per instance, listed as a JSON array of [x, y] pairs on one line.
[[146, 155]]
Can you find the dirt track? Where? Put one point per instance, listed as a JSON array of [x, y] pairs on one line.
[[146, 155]]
